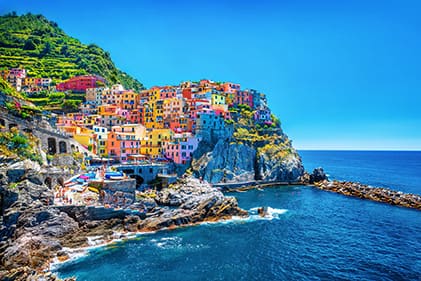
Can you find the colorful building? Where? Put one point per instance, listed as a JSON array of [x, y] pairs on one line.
[[181, 148], [153, 144], [81, 83]]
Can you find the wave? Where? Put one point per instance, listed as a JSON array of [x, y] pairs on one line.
[[97, 243], [271, 213]]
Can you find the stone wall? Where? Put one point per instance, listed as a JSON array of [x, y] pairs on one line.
[[119, 192]]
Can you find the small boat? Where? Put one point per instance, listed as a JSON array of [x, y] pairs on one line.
[[93, 189], [77, 187], [116, 177]]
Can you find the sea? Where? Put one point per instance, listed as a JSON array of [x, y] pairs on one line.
[[309, 234]]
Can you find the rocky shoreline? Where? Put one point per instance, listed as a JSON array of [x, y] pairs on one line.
[[34, 233], [377, 194]]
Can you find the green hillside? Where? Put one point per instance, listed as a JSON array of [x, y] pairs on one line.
[[40, 46]]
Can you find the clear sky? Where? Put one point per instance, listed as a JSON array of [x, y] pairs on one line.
[[339, 74]]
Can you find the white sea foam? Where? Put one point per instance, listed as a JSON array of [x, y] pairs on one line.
[[168, 242], [96, 242], [271, 213]]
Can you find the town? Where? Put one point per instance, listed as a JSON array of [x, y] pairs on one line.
[[160, 123], [136, 139]]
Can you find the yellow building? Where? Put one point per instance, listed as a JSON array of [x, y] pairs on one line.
[[128, 100], [80, 134], [153, 143], [217, 99]]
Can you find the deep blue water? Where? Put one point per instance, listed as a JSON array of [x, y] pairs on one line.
[[313, 235], [398, 170]]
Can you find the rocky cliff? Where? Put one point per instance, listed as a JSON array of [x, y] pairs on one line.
[[247, 152]]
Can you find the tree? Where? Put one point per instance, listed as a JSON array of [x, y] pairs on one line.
[[64, 50], [46, 50], [29, 45]]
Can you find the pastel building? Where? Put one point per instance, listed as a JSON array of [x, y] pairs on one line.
[[181, 148], [209, 120], [168, 93], [179, 124], [243, 97], [172, 107], [128, 100], [259, 99], [229, 87], [16, 78], [217, 98], [125, 141], [101, 139], [94, 95]]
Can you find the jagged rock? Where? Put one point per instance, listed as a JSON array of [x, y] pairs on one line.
[[318, 175], [17, 171], [198, 201], [288, 169], [230, 161], [226, 163], [26, 273]]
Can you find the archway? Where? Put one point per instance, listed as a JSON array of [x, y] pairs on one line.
[[52, 146], [60, 181], [12, 125], [62, 147], [48, 182], [139, 180], [2, 123]]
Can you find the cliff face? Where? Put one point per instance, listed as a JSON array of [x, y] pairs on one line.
[[235, 162], [248, 152], [227, 162]]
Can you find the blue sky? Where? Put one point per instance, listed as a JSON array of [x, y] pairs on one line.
[[339, 74]]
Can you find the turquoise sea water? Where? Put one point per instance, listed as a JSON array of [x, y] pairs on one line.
[[311, 235]]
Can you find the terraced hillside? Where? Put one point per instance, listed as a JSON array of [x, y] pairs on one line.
[[40, 46]]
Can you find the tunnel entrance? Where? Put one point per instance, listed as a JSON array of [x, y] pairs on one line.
[[62, 147], [139, 180], [52, 146]]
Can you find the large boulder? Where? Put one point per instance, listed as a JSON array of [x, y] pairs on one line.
[[318, 175]]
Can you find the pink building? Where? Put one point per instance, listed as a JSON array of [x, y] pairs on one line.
[[17, 72], [181, 149], [229, 87], [168, 93], [81, 83]]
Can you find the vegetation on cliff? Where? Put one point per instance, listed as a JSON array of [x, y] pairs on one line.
[[19, 145], [40, 46], [268, 138]]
